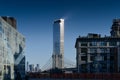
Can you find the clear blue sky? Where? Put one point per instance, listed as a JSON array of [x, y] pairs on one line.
[[35, 21]]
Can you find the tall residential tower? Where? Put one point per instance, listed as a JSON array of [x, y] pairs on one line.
[[58, 44]]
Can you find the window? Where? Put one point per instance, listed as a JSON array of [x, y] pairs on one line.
[[93, 43], [83, 66], [105, 58], [104, 50], [103, 43], [104, 66], [83, 43], [98, 58], [84, 58], [93, 50], [91, 66], [92, 58], [83, 50], [111, 58], [112, 43]]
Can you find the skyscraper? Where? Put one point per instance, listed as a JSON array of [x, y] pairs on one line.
[[12, 44], [58, 44]]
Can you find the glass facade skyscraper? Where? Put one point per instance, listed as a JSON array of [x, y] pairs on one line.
[[58, 44], [12, 44]]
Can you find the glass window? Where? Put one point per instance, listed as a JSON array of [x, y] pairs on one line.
[[104, 50], [83, 50], [105, 58], [92, 58], [83, 43], [84, 58], [91, 66], [112, 43], [83, 66], [111, 58], [103, 43], [93, 43], [104, 66], [98, 58], [93, 50]]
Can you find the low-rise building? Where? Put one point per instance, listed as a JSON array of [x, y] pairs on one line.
[[96, 54]]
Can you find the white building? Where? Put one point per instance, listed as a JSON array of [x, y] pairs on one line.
[[12, 44]]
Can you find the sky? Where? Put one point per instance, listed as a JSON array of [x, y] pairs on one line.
[[35, 21]]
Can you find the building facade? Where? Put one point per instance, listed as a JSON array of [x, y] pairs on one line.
[[58, 44], [96, 54], [31, 67], [12, 44]]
